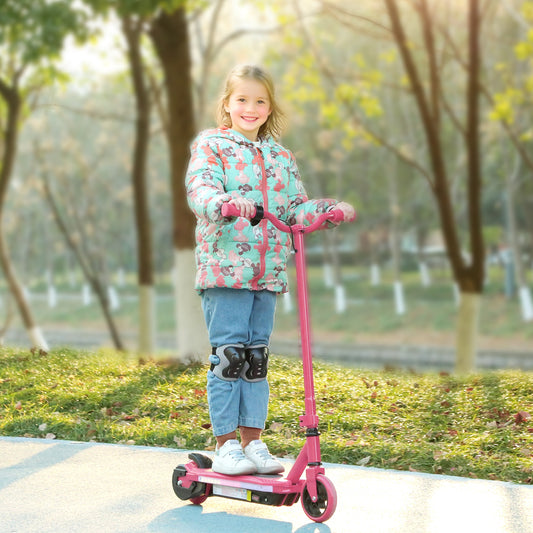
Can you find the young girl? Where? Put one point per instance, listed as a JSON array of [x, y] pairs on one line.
[[241, 266]]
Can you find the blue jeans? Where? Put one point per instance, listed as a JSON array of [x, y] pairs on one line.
[[237, 316]]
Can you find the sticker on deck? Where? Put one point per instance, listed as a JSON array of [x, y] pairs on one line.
[[231, 492]]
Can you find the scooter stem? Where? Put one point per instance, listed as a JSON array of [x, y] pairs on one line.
[[310, 419]]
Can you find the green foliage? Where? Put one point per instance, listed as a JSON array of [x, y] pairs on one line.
[[477, 426], [306, 85], [143, 8], [505, 104], [524, 49], [31, 30], [518, 92]]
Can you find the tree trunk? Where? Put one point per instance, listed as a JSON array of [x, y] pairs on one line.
[[333, 270], [467, 332], [13, 105], [469, 277], [7, 319], [191, 334], [169, 34], [103, 299], [146, 329], [394, 242]]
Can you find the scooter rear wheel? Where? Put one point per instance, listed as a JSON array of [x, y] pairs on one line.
[[201, 499], [197, 492], [326, 504]]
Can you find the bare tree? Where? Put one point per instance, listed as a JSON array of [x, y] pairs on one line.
[[24, 54], [11, 94], [89, 257], [469, 274], [133, 27]]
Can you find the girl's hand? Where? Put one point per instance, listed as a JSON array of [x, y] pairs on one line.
[[348, 211], [246, 207]]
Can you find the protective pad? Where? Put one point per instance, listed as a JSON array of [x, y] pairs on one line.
[[227, 362], [256, 366]]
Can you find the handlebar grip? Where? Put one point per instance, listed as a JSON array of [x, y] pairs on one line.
[[229, 210], [335, 215]]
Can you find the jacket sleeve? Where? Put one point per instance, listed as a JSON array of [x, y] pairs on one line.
[[204, 182], [301, 209]]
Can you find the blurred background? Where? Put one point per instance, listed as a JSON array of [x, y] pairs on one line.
[[419, 112]]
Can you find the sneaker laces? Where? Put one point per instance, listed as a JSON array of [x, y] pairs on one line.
[[264, 454], [236, 454]]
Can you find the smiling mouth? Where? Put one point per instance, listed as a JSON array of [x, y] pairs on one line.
[[249, 119]]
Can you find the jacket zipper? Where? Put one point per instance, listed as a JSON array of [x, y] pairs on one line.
[[262, 248]]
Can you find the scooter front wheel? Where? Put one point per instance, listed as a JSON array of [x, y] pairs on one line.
[[326, 504]]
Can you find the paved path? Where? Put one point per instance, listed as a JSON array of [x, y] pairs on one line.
[[71, 487]]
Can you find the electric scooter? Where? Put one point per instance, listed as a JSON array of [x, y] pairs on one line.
[[195, 481]]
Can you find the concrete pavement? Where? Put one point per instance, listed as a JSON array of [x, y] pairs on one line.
[[63, 486]]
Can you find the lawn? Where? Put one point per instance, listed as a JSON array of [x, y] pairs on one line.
[[370, 318], [476, 426]]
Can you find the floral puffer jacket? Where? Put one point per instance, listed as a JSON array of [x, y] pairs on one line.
[[230, 252]]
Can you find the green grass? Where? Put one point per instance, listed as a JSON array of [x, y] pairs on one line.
[[476, 426], [370, 311]]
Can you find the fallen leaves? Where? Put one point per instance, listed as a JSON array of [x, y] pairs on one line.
[[428, 423], [180, 441], [276, 427], [521, 417], [364, 461]]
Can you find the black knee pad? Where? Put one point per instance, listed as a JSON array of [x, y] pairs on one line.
[[227, 362], [256, 366]]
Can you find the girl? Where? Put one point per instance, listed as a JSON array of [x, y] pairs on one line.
[[241, 266]]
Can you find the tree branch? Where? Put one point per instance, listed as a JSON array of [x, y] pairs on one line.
[[97, 115], [331, 78], [434, 79], [474, 164], [513, 135], [340, 14]]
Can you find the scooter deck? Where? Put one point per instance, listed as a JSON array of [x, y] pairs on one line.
[[259, 488]]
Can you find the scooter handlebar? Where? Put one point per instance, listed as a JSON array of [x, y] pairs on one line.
[[230, 210], [335, 216]]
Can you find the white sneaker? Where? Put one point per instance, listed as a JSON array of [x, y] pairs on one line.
[[230, 460], [258, 453]]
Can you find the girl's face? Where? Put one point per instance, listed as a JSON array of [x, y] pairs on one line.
[[249, 107]]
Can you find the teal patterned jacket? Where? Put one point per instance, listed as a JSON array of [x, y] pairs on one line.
[[230, 252]]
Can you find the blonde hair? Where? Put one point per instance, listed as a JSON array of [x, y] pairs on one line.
[[276, 121]]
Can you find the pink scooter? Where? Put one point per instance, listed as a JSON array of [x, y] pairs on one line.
[[195, 481]]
